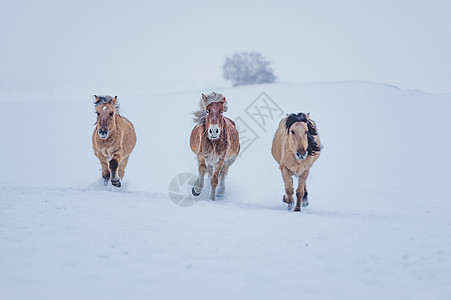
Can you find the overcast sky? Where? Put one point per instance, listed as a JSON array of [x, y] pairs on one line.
[[86, 47]]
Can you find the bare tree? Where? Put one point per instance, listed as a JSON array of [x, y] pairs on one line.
[[247, 68]]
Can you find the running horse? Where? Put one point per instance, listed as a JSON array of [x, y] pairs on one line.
[[296, 147], [113, 139], [215, 142]]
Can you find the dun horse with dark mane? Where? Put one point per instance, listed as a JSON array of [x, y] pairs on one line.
[[296, 147], [113, 139], [215, 141]]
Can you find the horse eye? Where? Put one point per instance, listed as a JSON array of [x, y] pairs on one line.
[[97, 113], [222, 112], [292, 131], [206, 112], [111, 114]]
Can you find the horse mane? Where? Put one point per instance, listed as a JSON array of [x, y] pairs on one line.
[[105, 100], [313, 146], [200, 115]]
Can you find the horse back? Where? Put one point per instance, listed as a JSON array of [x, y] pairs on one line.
[[196, 139], [129, 136], [234, 139], [230, 121]]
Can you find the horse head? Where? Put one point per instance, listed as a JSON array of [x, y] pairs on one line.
[[300, 130], [214, 121], [106, 108]]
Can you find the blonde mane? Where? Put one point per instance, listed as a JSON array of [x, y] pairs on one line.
[[200, 115]]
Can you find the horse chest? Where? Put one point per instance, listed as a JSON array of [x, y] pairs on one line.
[[297, 167], [212, 158], [104, 152], [108, 151], [298, 170], [213, 152]]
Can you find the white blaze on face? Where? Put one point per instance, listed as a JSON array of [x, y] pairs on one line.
[[104, 108]]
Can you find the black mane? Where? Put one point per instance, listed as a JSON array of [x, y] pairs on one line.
[[104, 100], [313, 146]]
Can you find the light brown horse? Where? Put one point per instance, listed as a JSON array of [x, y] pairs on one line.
[[216, 143], [113, 139], [296, 147]]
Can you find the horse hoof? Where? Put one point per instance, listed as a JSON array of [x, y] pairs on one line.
[[290, 206], [304, 203], [297, 208], [194, 193], [116, 183], [285, 201]]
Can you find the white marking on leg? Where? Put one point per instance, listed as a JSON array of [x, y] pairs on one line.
[[199, 184], [221, 188]]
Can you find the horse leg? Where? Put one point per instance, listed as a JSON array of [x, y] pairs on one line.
[[114, 164], [304, 202], [301, 192], [210, 170], [105, 172], [199, 184], [122, 166], [222, 176], [215, 178], [288, 181]]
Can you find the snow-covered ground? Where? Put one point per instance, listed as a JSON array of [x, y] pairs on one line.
[[378, 224]]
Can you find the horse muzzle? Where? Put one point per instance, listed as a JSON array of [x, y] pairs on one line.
[[214, 132], [300, 156], [103, 133]]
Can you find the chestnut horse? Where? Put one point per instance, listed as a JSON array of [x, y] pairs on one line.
[[296, 147], [113, 139], [215, 142]]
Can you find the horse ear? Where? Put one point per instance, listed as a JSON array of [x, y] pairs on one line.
[[308, 116], [204, 97], [114, 100], [224, 104]]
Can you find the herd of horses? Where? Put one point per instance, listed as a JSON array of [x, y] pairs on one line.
[[215, 142]]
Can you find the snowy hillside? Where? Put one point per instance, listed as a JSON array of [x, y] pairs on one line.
[[378, 223]]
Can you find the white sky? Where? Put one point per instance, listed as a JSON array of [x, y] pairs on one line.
[[86, 47]]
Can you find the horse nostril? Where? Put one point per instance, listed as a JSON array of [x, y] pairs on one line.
[[217, 130], [210, 131]]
